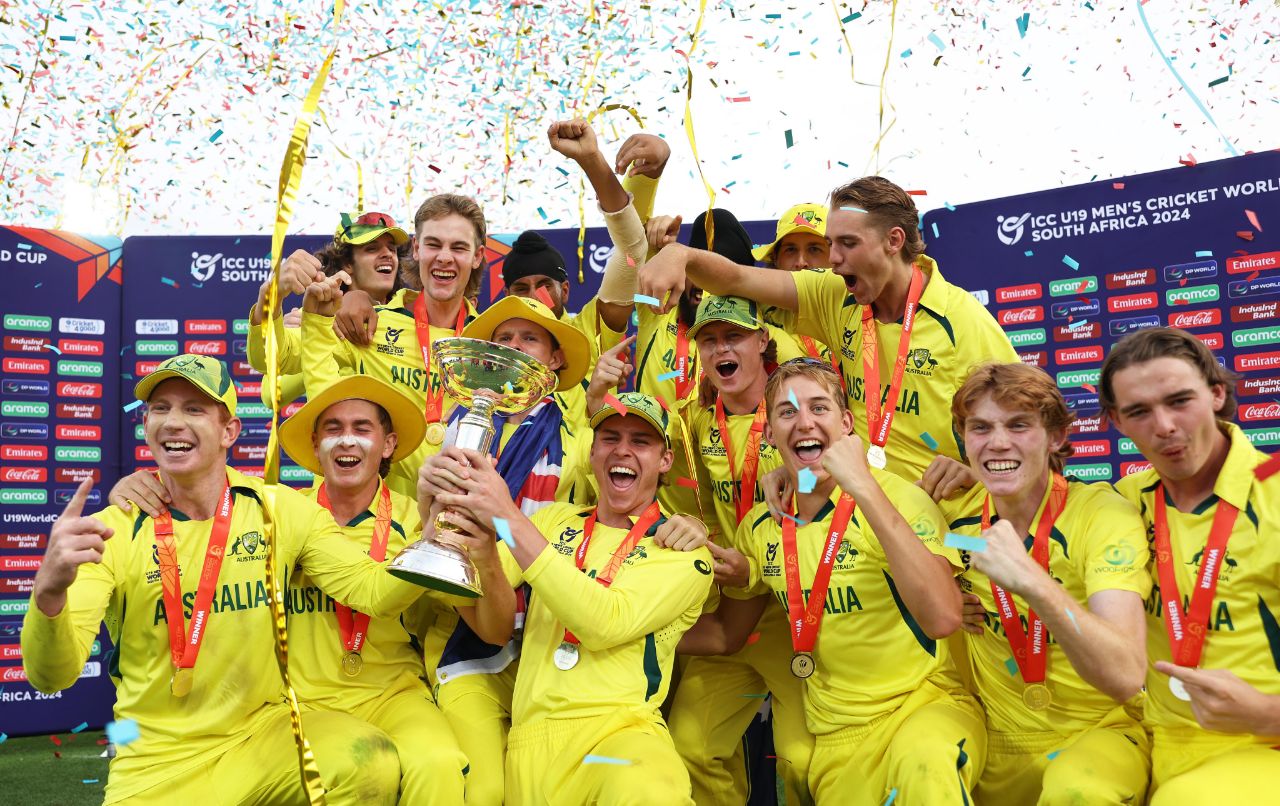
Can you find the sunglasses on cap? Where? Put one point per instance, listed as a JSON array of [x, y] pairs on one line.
[[807, 361]]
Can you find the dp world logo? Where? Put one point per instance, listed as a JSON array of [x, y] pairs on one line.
[[202, 266], [1010, 228]]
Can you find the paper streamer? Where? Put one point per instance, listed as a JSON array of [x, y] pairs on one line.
[[977, 545], [708, 224], [884, 75], [287, 193]]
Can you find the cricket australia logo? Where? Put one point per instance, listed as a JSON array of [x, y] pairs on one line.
[[1009, 229], [920, 362], [637, 553], [846, 556], [245, 547], [1228, 564]]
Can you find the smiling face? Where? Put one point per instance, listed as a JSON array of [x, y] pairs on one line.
[[732, 356], [374, 265], [447, 253], [803, 430], [1168, 409], [865, 256], [802, 250], [350, 440], [1009, 448], [187, 431], [530, 338], [527, 287], [628, 456]]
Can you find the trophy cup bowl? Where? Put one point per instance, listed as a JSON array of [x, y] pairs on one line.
[[492, 379]]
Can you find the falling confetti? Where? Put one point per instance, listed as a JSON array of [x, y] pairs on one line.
[[806, 480], [594, 759], [977, 545], [503, 529]]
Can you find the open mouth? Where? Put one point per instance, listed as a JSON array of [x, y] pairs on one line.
[[1001, 467], [347, 462], [385, 268], [177, 447], [444, 275], [850, 283], [621, 477], [726, 368], [809, 450]]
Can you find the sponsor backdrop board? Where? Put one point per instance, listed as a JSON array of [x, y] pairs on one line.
[[1069, 272], [59, 382]]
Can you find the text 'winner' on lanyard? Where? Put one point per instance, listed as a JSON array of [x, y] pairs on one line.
[[744, 497], [683, 380], [353, 625], [806, 617], [184, 647], [1187, 630], [435, 397], [566, 655], [880, 419], [1030, 647]]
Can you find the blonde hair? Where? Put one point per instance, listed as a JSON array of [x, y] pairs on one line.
[[888, 205], [446, 204]]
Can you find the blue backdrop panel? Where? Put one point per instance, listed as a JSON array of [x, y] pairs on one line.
[[58, 424], [1068, 272]]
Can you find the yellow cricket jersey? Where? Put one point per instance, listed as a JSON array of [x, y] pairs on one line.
[[392, 659], [952, 334], [393, 356], [289, 339], [1244, 621], [716, 485], [237, 683], [870, 653], [655, 355], [1097, 544], [628, 631], [782, 324]]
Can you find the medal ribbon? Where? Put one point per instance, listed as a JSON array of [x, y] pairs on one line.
[[1031, 646], [879, 420], [353, 625], [744, 495], [806, 617], [184, 647], [682, 359], [435, 397], [814, 351], [1187, 630], [647, 519]]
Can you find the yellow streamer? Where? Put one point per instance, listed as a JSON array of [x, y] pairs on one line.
[[884, 74], [835, 8], [359, 167], [290, 180], [582, 184], [708, 224]]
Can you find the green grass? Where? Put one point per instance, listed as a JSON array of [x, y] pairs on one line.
[[34, 776]]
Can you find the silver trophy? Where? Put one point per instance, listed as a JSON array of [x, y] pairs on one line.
[[496, 380]]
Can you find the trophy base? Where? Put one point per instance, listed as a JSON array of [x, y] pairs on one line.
[[438, 567]]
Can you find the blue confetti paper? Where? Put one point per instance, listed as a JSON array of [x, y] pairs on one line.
[[965, 542], [80, 727], [928, 440], [806, 480], [122, 732], [504, 531], [51, 348], [642, 299], [1011, 665], [1204, 253], [131, 406], [669, 376], [591, 758], [791, 396], [1072, 616], [893, 795], [1072, 262], [1053, 755], [853, 209]]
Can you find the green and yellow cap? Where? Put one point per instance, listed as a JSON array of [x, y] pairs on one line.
[[735, 310], [810, 218], [207, 373], [643, 406], [357, 228]]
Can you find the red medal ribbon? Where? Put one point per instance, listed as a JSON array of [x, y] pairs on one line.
[[435, 397], [1031, 646], [184, 647], [806, 617], [1187, 630], [811, 346], [353, 625], [683, 381], [744, 496], [647, 518], [879, 421]]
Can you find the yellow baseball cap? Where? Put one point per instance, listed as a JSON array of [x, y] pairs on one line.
[[208, 374], [407, 420], [811, 218], [734, 310], [358, 228], [577, 350], [645, 407]]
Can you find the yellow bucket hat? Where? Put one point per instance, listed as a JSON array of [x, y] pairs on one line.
[[577, 350], [407, 420]]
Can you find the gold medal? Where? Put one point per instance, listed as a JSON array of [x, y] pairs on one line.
[[566, 656], [802, 664], [183, 680], [876, 457], [435, 433], [1036, 696], [352, 663]]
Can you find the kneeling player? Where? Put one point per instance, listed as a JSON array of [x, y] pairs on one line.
[[1070, 558], [608, 607], [868, 588]]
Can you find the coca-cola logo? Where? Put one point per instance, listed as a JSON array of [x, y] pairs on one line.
[[27, 475], [1129, 468], [79, 389], [32, 453], [1205, 317], [206, 347], [1019, 316], [1260, 411]]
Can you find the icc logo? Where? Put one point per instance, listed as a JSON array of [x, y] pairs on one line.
[[1010, 230], [599, 255], [393, 335], [202, 266]]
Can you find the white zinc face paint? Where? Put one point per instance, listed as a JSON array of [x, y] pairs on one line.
[[345, 441]]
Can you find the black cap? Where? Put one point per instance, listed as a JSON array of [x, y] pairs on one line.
[[729, 238], [531, 254]]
